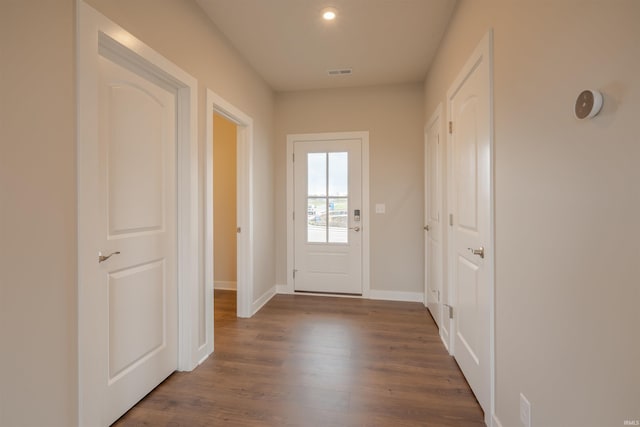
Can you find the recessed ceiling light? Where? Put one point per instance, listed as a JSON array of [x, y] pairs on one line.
[[329, 14]]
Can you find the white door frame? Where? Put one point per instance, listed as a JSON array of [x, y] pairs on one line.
[[244, 150], [436, 119], [97, 35], [365, 214], [484, 51]]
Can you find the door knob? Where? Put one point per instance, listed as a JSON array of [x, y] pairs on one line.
[[427, 228], [106, 257], [356, 228], [479, 252]]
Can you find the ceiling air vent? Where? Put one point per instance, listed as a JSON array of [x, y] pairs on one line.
[[340, 72]]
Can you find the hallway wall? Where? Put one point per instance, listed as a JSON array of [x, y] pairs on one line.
[[38, 290], [393, 116], [37, 214], [566, 203]]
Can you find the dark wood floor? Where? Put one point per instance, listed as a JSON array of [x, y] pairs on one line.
[[317, 361]]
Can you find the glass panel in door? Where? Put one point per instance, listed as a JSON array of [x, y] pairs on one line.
[[327, 197]]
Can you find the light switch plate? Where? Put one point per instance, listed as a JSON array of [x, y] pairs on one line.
[[380, 208]]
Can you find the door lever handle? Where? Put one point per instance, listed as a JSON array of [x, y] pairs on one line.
[[102, 258], [356, 228], [479, 252]]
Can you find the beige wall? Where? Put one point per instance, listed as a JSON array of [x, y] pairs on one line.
[[181, 32], [566, 202], [38, 296], [224, 200], [393, 115], [37, 214]]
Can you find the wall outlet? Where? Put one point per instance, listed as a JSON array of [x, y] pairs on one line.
[[525, 411]]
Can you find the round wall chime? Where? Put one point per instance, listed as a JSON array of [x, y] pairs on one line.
[[588, 104]]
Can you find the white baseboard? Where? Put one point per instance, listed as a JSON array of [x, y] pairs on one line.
[[396, 296], [264, 298], [225, 285], [446, 344], [204, 358], [495, 422]]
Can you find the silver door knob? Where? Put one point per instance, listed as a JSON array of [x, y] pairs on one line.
[[427, 228], [479, 251], [356, 228], [102, 258]]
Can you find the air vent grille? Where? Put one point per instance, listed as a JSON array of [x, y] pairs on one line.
[[340, 72]]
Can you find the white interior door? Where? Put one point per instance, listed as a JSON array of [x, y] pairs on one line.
[[137, 224], [328, 216], [433, 222], [469, 107]]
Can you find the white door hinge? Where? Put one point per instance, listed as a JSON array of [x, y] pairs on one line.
[[451, 220], [450, 127]]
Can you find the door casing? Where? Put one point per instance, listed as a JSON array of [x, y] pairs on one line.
[[98, 35], [217, 104], [365, 214], [436, 121]]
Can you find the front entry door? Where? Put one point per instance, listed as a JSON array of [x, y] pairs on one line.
[[136, 226], [328, 216], [469, 107]]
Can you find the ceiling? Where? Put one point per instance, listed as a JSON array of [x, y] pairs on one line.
[[289, 44]]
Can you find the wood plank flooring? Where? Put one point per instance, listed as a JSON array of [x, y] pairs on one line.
[[317, 361]]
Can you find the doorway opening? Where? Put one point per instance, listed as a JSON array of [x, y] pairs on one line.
[[224, 219], [234, 217]]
